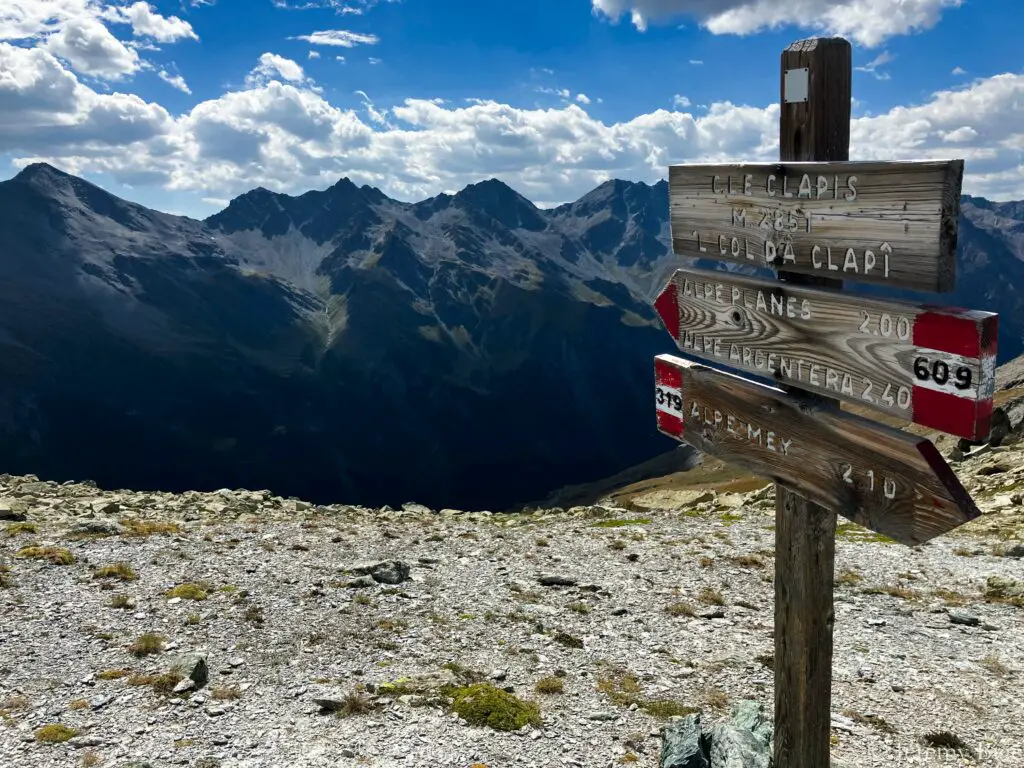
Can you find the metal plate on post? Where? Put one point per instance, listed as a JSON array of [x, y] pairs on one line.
[[796, 85]]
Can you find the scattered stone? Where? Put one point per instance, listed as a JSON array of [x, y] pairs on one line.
[[361, 582], [957, 616], [384, 571], [13, 510], [192, 667], [97, 528], [555, 580]]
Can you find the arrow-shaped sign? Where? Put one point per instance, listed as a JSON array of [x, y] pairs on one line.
[[931, 365], [889, 481]]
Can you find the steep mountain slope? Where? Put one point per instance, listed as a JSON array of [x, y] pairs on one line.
[[468, 350]]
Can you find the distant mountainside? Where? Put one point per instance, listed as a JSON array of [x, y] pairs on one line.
[[468, 350]]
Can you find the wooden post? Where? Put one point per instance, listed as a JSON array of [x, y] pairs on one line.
[[814, 126]]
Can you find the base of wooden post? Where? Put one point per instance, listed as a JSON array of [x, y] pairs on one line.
[[805, 548]]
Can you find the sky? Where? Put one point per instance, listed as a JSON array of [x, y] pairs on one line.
[[184, 104]]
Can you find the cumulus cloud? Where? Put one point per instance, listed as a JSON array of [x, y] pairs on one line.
[[869, 22], [271, 66], [77, 32], [280, 133], [175, 81], [680, 102], [873, 66], [339, 37]]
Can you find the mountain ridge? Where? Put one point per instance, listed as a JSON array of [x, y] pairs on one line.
[[467, 350]]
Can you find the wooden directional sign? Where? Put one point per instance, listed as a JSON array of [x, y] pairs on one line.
[[931, 365], [888, 223], [890, 481]]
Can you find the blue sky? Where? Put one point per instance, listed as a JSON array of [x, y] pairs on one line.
[[182, 104]]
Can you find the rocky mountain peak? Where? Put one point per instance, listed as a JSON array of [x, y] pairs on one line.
[[502, 203]]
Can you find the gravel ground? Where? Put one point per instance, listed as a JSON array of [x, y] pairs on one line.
[[660, 609]]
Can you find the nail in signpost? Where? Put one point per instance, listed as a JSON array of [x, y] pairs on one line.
[[934, 366], [818, 219]]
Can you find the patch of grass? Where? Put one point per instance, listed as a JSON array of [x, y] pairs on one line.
[[848, 577], [90, 760], [730, 518], [680, 609], [121, 571], [949, 597], [147, 644], [79, 704], [192, 590], [579, 608], [17, 703], [120, 601], [192, 619], [137, 528], [893, 591], [749, 561], [542, 542], [947, 740], [706, 562], [663, 709], [619, 522], [717, 699], [859, 534], [162, 684], [254, 615], [628, 758], [550, 685], [875, 721], [711, 596], [17, 529], [226, 692], [361, 599], [569, 641], [964, 552], [55, 733], [6, 580], [112, 674], [622, 688], [54, 555], [482, 704], [994, 665], [618, 545]]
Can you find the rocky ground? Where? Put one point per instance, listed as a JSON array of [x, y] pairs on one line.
[[338, 636]]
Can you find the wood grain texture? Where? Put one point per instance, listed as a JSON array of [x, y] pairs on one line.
[[899, 228], [887, 480], [818, 129], [844, 346]]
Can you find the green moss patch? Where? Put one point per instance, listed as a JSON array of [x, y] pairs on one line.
[[483, 704]]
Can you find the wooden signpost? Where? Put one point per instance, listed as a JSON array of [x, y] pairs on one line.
[[884, 479], [818, 219], [931, 365], [889, 223]]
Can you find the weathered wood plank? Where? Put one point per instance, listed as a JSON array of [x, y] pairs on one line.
[[884, 479], [889, 223], [931, 365]]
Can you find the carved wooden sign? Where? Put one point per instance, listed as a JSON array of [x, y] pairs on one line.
[[931, 365], [889, 481], [889, 223]]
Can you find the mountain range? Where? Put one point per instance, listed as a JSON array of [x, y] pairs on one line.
[[468, 350]]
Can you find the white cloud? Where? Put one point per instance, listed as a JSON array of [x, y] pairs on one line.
[[90, 48], [869, 22], [350, 8], [373, 60], [314, 54], [77, 32], [339, 37], [146, 22], [175, 81], [680, 102], [696, 62], [271, 66], [281, 134], [959, 71], [340, 58], [582, 98], [872, 67]]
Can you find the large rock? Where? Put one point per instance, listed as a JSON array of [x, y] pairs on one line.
[[192, 666], [13, 510], [684, 745], [384, 571]]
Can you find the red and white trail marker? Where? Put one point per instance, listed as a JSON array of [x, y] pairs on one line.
[[934, 366]]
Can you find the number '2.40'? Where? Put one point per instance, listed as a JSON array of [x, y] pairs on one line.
[[938, 371]]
